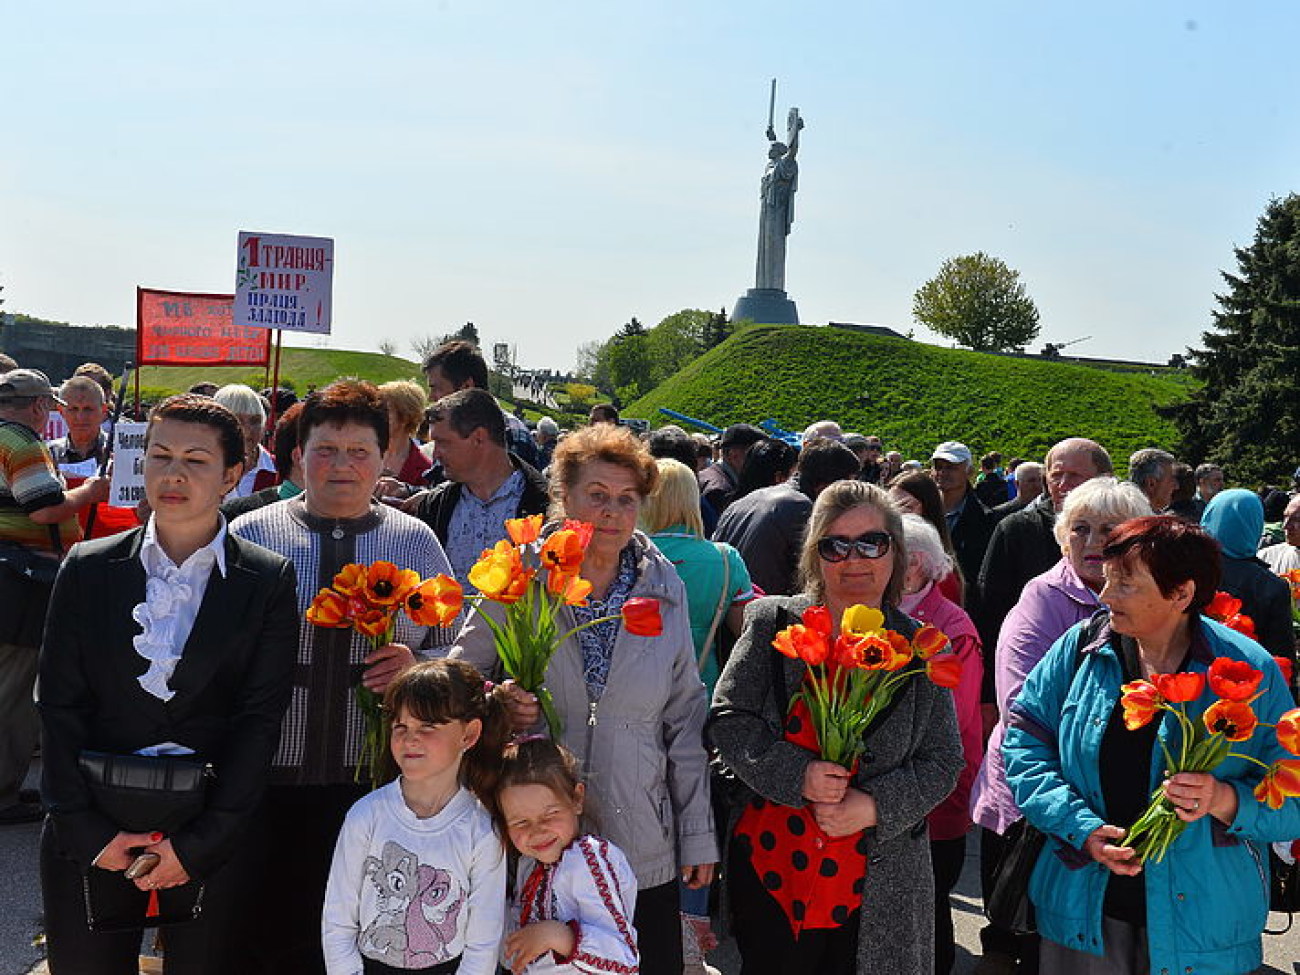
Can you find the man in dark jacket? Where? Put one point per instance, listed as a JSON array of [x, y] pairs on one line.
[[485, 486], [766, 526], [718, 481], [1023, 546], [970, 523]]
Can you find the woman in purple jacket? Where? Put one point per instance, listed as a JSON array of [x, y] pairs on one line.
[[1049, 605]]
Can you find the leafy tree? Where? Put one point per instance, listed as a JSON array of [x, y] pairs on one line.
[[1246, 416], [631, 329], [630, 362], [978, 301], [676, 341]]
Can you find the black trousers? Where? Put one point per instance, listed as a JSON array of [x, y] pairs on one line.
[[768, 946], [947, 857], [195, 948], [658, 924], [293, 834], [1022, 947]]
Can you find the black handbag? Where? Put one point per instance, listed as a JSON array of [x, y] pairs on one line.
[[1008, 903], [1284, 888], [141, 793]]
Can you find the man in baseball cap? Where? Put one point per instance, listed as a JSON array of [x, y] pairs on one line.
[[718, 481], [38, 520], [970, 523], [26, 384]]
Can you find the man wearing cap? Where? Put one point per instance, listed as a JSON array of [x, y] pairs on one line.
[[718, 481], [38, 521], [969, 523]]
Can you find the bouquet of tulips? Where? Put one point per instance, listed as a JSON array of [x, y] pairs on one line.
[[533, 578], [367, 599], [852, 678], [1203, 745]]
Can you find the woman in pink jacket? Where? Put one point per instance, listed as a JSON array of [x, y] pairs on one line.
[[927, 564]]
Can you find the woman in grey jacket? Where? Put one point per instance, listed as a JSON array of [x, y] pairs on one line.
[[633, 707], [848, 889]]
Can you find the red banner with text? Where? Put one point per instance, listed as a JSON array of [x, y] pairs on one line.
[[175, 328]]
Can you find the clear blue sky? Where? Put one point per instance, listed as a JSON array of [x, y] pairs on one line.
[[549, 170]]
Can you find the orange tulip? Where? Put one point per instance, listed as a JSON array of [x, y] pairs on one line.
[[928, 641], [1292, 576], [583, 529], [799, 642], [1232, 719], [1179, 688], [847, 651], [435, 602], [351, 579], [524, 531], [1280, 782], [387, 585], [818, 618], [641, 617], [373, 623], [1140, 700], [329, 608], [1284, 664], [572, 588], [882, 652], [516, 588], [497, 571], [944, 670], [1288, 731], [563, 552], [1233, 680]]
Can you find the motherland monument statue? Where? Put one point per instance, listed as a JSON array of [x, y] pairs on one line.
[[767, 301]]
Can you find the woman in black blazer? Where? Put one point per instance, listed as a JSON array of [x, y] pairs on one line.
[[173, 638]]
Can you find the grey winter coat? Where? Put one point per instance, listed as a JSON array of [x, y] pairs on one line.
[[913, 758], [643, 760]]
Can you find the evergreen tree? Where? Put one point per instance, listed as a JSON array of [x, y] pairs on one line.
[[1246, 416]]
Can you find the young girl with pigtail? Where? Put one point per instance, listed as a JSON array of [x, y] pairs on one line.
[[418, 881], [574, 894]]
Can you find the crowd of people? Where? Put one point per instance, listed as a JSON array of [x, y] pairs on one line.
[[683, 796]]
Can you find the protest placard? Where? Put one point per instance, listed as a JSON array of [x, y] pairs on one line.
[[127, 486], [284, 282], [177, 328]]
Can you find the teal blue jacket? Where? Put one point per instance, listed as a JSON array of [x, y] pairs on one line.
[[1207, 902]]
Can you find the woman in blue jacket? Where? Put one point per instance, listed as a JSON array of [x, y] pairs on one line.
[[1081, 777]]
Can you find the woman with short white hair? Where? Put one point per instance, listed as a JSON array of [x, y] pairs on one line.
[[1050, 604], [927, 563], [250, 410]]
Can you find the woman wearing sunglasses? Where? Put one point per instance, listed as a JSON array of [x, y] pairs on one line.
[[870, 906]]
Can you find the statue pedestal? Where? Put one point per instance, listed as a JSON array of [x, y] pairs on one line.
[[765, 306]]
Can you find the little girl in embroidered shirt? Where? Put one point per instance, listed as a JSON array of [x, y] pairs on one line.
[[575, 894], [418, 882]]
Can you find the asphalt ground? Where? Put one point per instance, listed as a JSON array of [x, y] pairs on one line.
[[20, 914]]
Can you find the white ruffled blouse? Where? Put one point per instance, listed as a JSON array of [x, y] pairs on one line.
[[172, 596]]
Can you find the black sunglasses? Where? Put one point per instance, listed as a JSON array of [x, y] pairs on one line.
[[836, 548]]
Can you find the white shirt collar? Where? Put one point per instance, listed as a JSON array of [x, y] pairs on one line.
[[155, 559]]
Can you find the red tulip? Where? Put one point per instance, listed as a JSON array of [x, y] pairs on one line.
[[1233, 680], [641, 616], [944, 670], [1179, 688], [818, 618], [1284, 663]]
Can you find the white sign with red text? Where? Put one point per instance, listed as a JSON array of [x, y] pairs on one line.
[[284, 282]]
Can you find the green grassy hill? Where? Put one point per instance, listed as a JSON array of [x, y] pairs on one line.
[[914, 395], [301, 367]]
